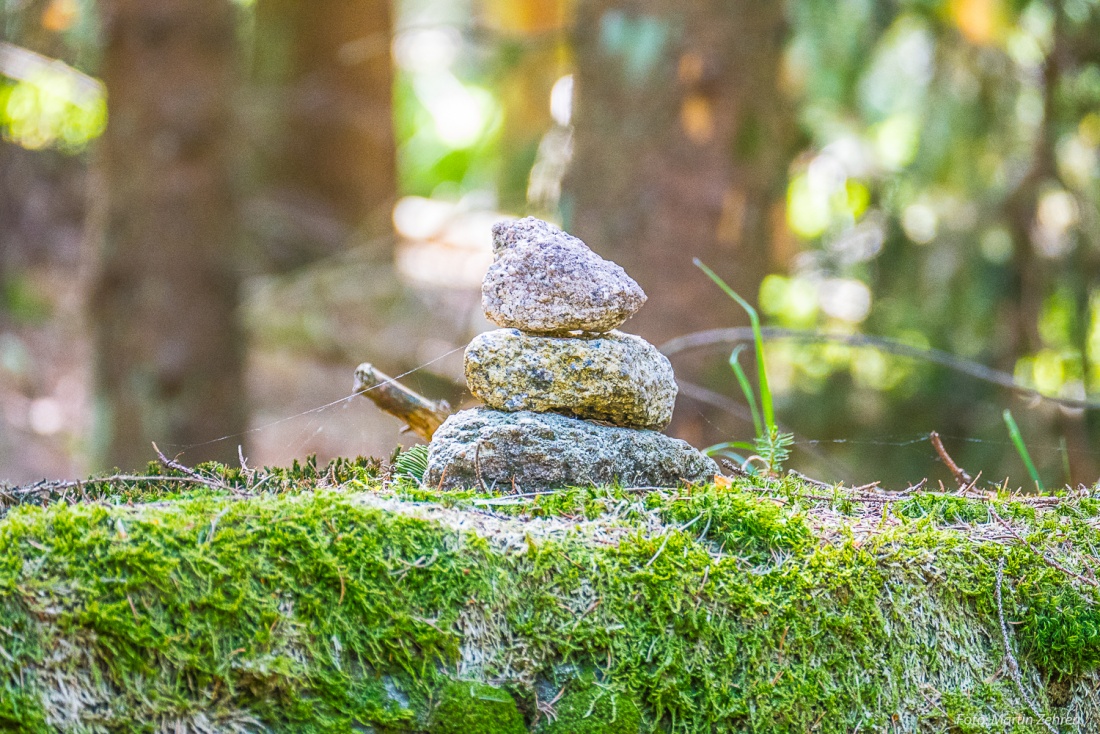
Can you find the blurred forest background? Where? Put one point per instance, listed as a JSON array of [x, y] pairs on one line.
[[212, 210]]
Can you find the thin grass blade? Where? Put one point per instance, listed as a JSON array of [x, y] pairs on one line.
[[754, 319], [746, 388], [1021, 449]]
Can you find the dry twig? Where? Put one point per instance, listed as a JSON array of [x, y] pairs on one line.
[[63, 486], [809, 480], [477, 467], [957, 471], [212, 482]]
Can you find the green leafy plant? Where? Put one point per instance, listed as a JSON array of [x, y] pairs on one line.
[[746, 388], [411, 464], [774, 448], [1021, 449], [771, 445]]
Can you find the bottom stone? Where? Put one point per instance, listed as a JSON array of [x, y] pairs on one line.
[[524, 451]]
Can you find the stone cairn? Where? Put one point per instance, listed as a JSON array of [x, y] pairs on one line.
[[569, 400]]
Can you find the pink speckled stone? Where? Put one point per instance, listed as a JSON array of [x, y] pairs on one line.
[[545, 281]]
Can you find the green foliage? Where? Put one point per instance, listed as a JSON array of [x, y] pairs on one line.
[[758, 340], [56, 107], [1021, 449], [594, 709], [774, 448], [771, 445], [466, 707], [746, 388], [23, 301], [944, 255], [411, 464]]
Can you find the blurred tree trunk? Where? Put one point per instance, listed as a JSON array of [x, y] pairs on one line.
[[682, 145], [683, 138], [329, 163], [169, 347], [1036, 278]]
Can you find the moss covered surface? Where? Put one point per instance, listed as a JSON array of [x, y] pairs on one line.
[[592, 709], [322, 601], [469, 706]]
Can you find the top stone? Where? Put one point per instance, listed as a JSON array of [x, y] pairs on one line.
[[545, 281]]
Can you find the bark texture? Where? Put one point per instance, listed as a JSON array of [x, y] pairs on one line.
[[682, 144], [169, 348], [328, 161]]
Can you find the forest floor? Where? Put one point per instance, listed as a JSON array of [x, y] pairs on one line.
[[307, 335]]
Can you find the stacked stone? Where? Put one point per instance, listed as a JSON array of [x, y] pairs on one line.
[[570, 401]]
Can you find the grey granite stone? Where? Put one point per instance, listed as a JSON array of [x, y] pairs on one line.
[[523, 452], [615, 377], [545, 281]]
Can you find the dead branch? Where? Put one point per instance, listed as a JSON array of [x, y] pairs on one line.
[[61, 486], [744, 334], [477, 468], [212, 482], [809, 480], [421, 415], [957, 471]]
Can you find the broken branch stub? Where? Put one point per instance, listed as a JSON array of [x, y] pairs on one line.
[[422, 416]]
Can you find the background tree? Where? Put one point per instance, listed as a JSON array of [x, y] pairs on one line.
[[531, 52], [169, 348], [925, 170], [325, 143], [683, 138]]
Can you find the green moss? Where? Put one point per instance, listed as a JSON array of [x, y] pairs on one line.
[[587, 502], [19, 648], [705, 610], [595, 710], [295, 610], [466, 707], [976, 711], [1059, 628], [740, 522], [943, 508]]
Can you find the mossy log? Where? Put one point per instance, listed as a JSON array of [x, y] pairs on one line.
[[322, 600]]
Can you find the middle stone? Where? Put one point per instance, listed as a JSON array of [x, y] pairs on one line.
[[618, 378]]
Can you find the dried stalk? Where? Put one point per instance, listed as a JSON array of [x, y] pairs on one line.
[[421, 415]]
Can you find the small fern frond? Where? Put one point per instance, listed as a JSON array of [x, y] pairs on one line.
[[774, 447], [411, 464]]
